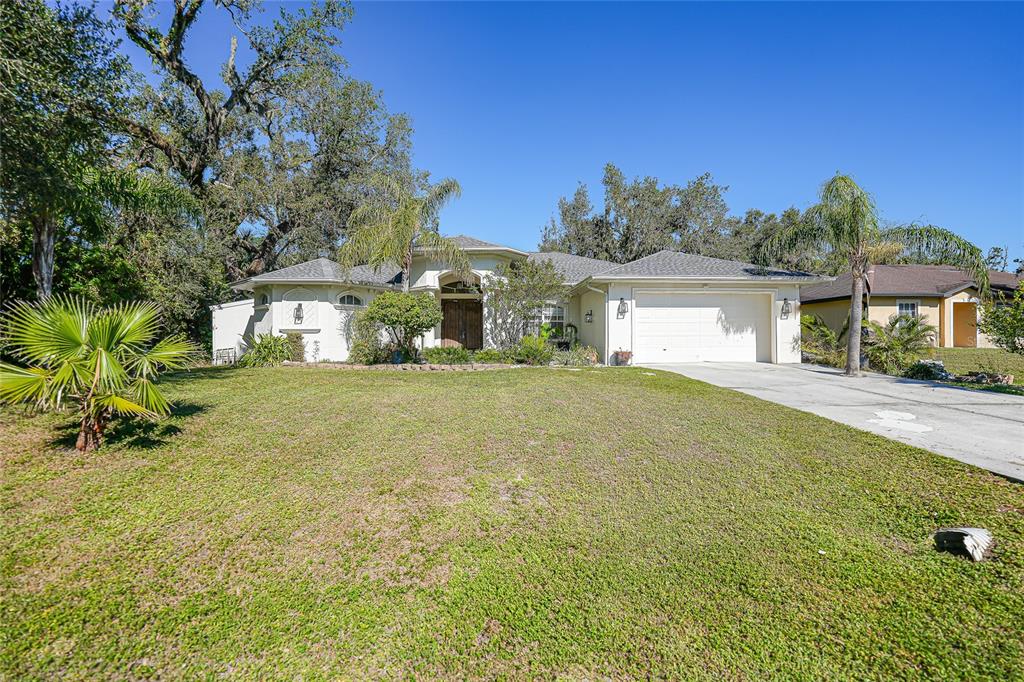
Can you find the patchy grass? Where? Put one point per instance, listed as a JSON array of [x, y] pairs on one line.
[[989, 360], [1008, 389], [312, 523]]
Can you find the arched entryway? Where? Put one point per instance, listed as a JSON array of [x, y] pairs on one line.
[[462, 325]]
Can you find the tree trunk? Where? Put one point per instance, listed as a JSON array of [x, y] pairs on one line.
[[90, 434], [856, 322], [406, 271], [44, 237]]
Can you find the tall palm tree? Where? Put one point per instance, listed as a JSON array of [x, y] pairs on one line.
[[104, 361], [845, 222], [396, 222]]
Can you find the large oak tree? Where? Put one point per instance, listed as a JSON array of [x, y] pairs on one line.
[[280, 149]]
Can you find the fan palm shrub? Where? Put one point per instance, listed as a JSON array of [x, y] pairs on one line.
[[845, 225], [102, 362], [397, 221], [896, 345]]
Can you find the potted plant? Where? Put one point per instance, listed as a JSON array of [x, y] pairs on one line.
[[623, 357]]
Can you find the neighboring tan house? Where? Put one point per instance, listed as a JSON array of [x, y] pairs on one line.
[[941, 295], [667, 307]]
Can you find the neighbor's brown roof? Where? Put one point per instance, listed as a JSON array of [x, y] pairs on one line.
[[907, 280]]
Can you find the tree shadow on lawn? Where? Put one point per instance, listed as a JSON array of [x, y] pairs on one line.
[[133, 433], [204, 373]]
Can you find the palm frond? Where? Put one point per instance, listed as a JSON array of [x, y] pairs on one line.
[[446, 251], [438, 196], [883, 251], [131, 189], [23, 385], [945, 246], [847, 212], [149, 396], [68, 377], [174, 352], [109, 374], [138, 322], [54, 330], [123, 406]]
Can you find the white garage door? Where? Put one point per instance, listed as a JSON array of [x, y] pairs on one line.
[[712, 327]]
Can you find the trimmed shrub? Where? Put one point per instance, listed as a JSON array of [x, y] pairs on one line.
[[405, 317], [446, 356], [366, 347], [296, 347], [266, 350], [577, 356], [490, 356], [931, 370], [533, 350]]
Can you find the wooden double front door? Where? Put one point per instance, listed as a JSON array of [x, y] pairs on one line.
[[462, 324]]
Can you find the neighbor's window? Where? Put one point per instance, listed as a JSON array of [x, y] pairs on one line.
[[264, 300], [908, 308], [349, 299]]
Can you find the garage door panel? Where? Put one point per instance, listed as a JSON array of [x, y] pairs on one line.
[[713, 327]]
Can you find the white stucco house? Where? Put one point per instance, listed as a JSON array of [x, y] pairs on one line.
[[666, 307]]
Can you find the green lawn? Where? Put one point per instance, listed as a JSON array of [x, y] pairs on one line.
[[315, 523], [991, 360]]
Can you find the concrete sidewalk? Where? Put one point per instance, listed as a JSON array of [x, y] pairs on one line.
[[977, 427]]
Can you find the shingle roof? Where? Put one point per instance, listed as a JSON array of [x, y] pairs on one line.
[[326, 270], [572, 268], [575, 269], [675, 264], [907, 280], [472, 243]]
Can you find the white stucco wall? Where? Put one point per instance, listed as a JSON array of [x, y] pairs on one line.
[[786, 342], [426, 276], [326, 325], [232, 324], [592, 333]]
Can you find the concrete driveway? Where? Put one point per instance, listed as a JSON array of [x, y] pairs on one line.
[[978, 427]]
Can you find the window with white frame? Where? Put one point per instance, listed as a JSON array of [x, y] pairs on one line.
[[908, 308], [552, 314], [350, 299]]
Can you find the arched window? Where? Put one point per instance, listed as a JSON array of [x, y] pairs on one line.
[[264, 300], [349, 299]]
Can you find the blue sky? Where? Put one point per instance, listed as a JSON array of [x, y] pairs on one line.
[[922, 103]]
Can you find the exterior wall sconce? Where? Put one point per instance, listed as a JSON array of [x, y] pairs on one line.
[[787, 308], [588, 317], [623, 307], [297, 314]]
